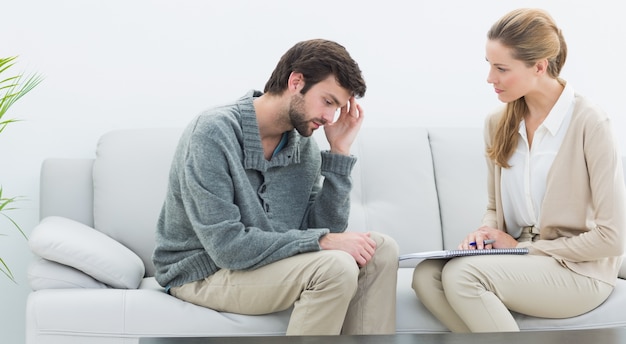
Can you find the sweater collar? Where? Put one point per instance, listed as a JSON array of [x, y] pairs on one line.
[[252, 147]]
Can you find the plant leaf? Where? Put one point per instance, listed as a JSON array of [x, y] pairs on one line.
[[5, 270], [12, 88]]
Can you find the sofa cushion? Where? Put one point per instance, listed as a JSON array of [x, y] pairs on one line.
[[461, 179], [74, 244], [46, 274], [130, 176], [394, 189]]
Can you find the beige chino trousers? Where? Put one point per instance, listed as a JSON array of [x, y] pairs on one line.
[[329, 293], [475, 294]]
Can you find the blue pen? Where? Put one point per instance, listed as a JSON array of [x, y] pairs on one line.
[[488, 241]]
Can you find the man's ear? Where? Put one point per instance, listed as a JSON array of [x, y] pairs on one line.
[[296, 81]]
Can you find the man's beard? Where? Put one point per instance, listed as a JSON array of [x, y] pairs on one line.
[[297, 116]]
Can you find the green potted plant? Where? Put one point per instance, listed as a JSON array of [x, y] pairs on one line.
[[12, 88]]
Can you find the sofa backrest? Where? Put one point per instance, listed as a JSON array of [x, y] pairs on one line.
[[424, 187], [394, 186]]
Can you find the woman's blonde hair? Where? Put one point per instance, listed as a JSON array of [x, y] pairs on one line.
[[532, 35]]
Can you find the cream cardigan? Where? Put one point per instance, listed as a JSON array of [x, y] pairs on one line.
[[583, 214]]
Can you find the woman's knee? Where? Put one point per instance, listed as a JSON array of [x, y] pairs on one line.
[[427, 274], [466, 274]]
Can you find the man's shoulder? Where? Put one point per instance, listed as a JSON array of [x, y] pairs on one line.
[[220, 115], [226, 117]]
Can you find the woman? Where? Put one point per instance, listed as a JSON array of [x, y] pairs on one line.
[[555, 186]]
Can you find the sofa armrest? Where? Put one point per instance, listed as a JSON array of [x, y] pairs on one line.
[[81, 247], [46, 274]]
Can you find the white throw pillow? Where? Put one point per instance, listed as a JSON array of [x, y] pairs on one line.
[[46, 274], [77, 245]]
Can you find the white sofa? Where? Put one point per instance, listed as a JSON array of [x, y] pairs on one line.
[[94, 281]]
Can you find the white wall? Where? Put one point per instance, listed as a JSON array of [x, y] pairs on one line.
[[151, 63]]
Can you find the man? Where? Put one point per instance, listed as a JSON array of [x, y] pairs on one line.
[[248, 227]]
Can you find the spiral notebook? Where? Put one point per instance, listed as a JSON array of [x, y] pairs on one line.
[[443, 254]]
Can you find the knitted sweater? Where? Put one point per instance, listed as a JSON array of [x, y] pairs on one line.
[[227, 207]]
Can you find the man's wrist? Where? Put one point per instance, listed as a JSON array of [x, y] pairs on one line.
[[339, 149]]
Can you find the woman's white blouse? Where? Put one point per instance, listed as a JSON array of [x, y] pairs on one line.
[[524, 183]]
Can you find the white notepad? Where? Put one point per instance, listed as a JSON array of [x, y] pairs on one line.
[[442, 254]]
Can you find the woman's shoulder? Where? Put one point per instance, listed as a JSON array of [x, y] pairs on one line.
[[590, 122], [494, 116], [587, 111]]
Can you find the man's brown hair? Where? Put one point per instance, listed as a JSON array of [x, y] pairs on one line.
[[316, 59]]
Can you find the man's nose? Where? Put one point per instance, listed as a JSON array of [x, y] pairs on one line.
[[330, 116]]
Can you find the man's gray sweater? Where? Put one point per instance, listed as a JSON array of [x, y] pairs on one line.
[[227, 207]]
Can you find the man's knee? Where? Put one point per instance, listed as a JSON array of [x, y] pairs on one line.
[[337, 267], [387, 249]]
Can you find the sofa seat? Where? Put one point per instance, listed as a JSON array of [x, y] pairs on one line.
[[150, 312]]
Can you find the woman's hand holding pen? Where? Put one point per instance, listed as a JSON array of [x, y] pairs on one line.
[[487, 238]]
